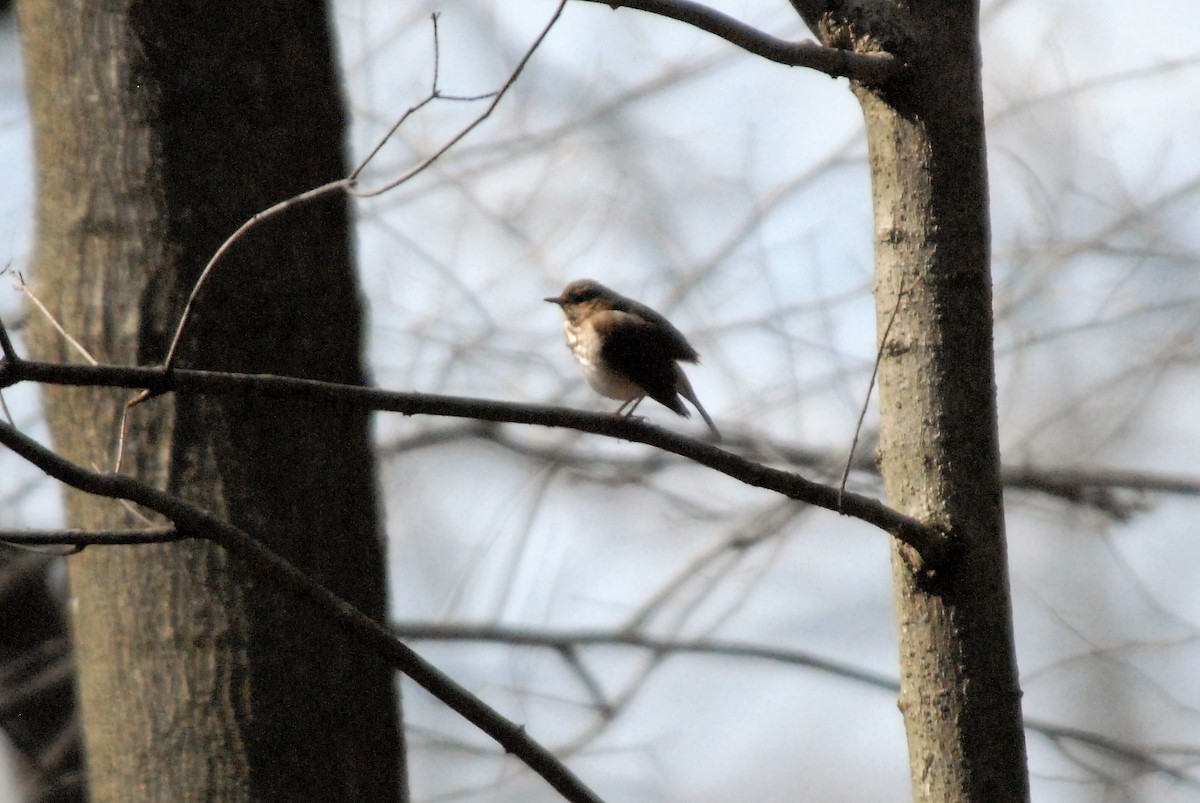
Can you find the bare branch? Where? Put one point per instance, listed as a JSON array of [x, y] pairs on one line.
[[933, 545], [194, 522], [1117, 493], [1145, 757], [1095, 487], [82, 538], [6, 347], [570, 642], [58, 327], [869, 68], [254, 220], [485, 114]]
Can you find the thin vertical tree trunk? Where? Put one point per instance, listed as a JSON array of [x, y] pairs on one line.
[[938, 443], [159, 128]]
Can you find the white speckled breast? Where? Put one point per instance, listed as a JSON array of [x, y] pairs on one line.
[[585, 345]]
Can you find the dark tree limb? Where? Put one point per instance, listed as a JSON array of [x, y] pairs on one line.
[[933, 545], [867, 68], [193, 522]]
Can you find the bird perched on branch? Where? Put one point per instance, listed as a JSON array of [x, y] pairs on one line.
[[626, 350]]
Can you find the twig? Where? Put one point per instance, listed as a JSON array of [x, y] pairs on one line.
[[348, 184], [255, 219], [37, 302], [599, 637], [870, 387], [6, 345], [496, 98], [570, 655]]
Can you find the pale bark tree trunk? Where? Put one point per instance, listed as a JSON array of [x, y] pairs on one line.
[[939, 449], [159, 127]]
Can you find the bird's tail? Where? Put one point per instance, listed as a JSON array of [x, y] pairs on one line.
[[685, 389]]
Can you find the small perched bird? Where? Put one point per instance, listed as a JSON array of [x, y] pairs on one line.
[[627, 351]]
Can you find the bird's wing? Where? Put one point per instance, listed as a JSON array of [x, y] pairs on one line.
[[673, 340], [643, 351]]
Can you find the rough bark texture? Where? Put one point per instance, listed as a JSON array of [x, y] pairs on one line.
[[159, 127], [938, 445]]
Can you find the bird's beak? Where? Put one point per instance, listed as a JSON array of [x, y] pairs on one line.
[[554, 300]]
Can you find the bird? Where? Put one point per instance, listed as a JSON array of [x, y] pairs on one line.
[[626, 350]]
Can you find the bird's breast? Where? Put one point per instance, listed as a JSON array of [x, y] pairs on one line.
[[585, 344]]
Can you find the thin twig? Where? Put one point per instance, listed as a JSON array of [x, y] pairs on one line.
[[870, 388], [434, 90], [6, 345], [255, 219], [347, 184], [499, 95], [409, 112], [599, 637], [121, 433], [570, 655], [37, 302]]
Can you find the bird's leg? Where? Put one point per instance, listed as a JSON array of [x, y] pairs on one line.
[[635, 401]]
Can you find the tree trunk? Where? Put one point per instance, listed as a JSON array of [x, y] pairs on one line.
[[159, 128], [938, 444]]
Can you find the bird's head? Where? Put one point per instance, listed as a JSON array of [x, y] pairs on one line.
[[584, 297]]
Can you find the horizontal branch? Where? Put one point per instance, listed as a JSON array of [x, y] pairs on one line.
[[1117, 493], [570, 641], [82, 538], [1097, 487], [931, 544], [192, 521], [564, 640], [868, 68]]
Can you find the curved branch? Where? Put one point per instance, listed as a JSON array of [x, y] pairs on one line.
[[194, 522], [869, 68], [933, 545]]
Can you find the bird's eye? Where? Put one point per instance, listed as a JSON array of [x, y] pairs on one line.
[[581, 294]]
